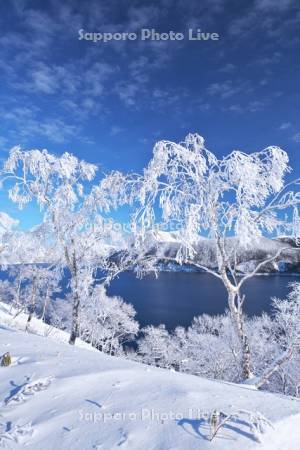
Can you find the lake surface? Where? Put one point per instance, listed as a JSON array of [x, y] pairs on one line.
[[174, 298]]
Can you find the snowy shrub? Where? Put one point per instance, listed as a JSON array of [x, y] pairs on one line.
[[30, 289], [107, 322], [210, 348], [156, 347], [207, 348]]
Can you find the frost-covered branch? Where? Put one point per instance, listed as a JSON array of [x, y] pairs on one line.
[[238, 198], [262, 264], [283, 359]]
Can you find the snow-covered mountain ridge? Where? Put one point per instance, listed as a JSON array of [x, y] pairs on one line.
[[57, 396], [167, 245]]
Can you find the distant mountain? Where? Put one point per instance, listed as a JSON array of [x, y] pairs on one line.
[[167, 248]]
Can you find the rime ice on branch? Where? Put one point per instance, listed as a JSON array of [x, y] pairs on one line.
[[232, 201]]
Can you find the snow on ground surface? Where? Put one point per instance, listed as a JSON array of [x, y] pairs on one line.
[[55, 396], [10, 317]]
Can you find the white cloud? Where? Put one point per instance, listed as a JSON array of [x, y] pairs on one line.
[[224, 89], [270, 18], [44, 80], [228, 68], [115, 130], [234, 109], [250, 107], [273, 58], [3, 144], [280, 5], [296, 137], [128, 93], [256, 105], [141, 16], [56, 130], [27, 123], [285, 125]]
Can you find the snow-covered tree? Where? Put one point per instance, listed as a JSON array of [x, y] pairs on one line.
[[207, 348], [24, 251], [286, 331], [75, 229], [155, 347], [39, 285], [7, 224], [229, 202], [29, 289], [107, 322], [211, 349], [59, 313]]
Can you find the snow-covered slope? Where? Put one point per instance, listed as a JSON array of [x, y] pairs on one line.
[[55, 396], [11, 319], [165, 245]]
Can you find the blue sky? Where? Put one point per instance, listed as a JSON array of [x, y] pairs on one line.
[[110, 102]]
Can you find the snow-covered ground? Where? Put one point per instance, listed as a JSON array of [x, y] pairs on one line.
[[55, 396]]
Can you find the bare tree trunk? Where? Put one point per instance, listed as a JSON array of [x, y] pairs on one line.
[[31, 306], [238, 322], [45, 305], [76, 302], [235, 303], [16, 301], [75, 320], [30, 315]]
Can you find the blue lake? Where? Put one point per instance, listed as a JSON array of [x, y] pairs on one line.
[[174, 298]]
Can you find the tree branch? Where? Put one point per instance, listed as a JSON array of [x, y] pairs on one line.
[[262, 263]]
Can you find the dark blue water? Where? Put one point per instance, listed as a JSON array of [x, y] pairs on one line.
[[175, 298]]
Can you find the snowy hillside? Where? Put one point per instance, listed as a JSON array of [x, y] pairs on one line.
[[166, 245], [55, 396]]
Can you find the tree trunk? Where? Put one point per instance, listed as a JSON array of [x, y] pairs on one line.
[[238, 322], [45, 305], [235, 307], [31, 306], [75, 320], [28, 320], [76, 302]]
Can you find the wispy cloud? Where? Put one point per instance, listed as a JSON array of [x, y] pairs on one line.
[[228, 68], [59, 87], [115, 130], [128, 93], [285, 126], [29, 123], [267, 5], [227, 88], [296, 137]]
